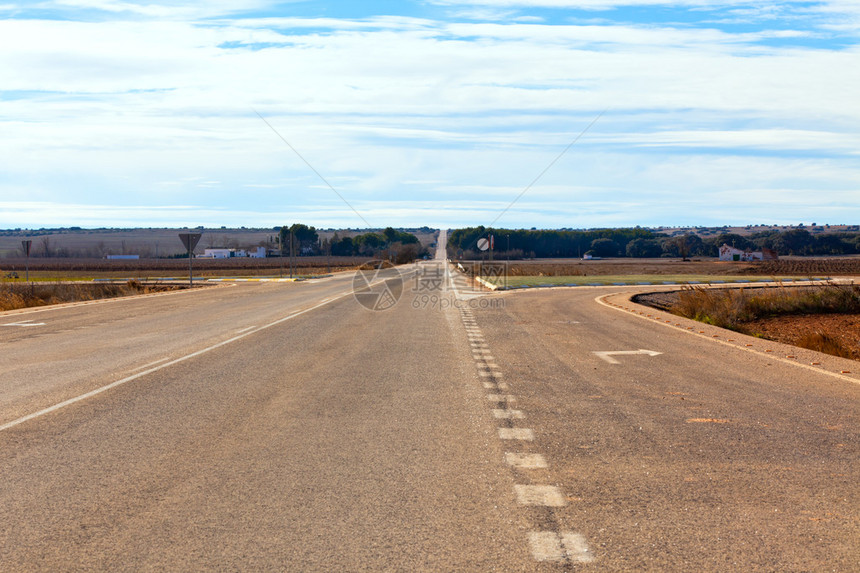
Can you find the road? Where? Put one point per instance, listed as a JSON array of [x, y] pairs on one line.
[[285, 426]]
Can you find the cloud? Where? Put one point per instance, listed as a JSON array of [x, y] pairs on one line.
[[149, 109]]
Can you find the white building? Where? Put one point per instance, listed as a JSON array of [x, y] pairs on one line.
[[729, 253], [216, 254], [258, 253]]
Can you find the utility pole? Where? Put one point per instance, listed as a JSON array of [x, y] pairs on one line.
[[292, 253], [26, 244]]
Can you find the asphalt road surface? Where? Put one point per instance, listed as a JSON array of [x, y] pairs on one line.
[[287, 426]]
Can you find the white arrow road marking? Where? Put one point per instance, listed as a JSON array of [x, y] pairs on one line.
[[25, 323], [608, 356]]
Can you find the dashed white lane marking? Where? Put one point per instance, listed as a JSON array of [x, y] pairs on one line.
[[543, 495], [525, 461], [549, 546], [560, 547], [521, 434], [500, 414], [25, 323]]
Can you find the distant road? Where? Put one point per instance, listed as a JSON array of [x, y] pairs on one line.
[[285, 426]]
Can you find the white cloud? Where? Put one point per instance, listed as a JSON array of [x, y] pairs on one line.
[[154, 110]]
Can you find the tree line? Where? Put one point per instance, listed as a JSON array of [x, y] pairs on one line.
[[640, 243], [389, 243]]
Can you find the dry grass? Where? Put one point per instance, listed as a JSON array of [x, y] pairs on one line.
[[43, 268], [730, 308], [18, 295], [737, 309], [823, 342]]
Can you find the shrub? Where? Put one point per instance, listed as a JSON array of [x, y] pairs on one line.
[[823, 342], [729, 308]]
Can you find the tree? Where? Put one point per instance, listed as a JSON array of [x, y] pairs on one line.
[[45, 243], [684, 246], [644, 248], [794, 242], [342, 247], [304, 237], [390, 235], [368, 243], [604, 248]]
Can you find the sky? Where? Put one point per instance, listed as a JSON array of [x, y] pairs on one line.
[[445, 113]]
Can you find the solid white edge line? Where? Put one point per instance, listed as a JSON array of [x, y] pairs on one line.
[[127, 379], [150, 364]]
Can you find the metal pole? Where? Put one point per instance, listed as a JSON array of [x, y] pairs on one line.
[[26, 244], [291, 253], [190, 241]]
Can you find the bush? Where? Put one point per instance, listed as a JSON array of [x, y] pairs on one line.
[[822, 342]]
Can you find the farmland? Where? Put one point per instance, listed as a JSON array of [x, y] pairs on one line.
[[83, 268], [149, 243], [796, 266]]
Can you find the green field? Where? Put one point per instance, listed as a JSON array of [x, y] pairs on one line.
[[532, 281]]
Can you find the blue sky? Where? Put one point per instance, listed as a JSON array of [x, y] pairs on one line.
[[434, 112]]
